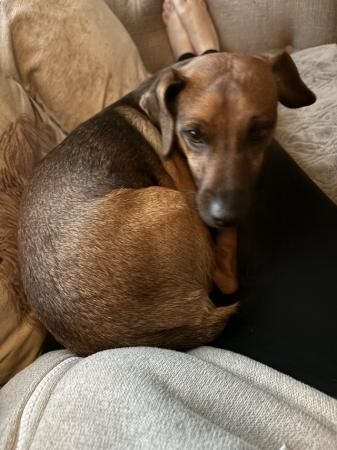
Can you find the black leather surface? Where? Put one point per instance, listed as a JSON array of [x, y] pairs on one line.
[[288, 270]]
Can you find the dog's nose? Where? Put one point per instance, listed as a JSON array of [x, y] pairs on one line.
[[222, 209], [222, 212]]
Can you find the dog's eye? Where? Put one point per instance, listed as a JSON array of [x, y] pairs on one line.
[[194, 137], [259, 131]]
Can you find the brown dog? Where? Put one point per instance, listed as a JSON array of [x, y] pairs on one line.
[[113, 250]]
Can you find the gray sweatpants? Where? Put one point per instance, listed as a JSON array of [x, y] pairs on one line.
[[147, 398]]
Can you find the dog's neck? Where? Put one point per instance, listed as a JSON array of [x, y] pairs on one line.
[[142, 124], [176, 165]]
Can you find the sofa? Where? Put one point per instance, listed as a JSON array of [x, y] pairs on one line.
[[62, 62]]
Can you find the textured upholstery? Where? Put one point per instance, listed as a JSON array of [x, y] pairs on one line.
[[26, 134], [64, 55], [243, 25], [310, 134]]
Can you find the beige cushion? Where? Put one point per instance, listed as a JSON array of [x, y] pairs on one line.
[[243, 25], [72, 57], [310, 134], [26, 135]]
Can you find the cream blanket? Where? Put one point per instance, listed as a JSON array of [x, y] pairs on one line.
[[310, 134]]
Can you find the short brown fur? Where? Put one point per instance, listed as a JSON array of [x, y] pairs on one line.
[[113, 248]]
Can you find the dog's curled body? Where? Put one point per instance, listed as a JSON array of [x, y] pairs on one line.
[[110, 255], [112, 247]]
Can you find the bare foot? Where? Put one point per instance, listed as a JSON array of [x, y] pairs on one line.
[[178, 37], [197, 22]]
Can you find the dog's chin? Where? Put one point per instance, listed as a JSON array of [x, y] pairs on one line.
[[217, 223], [220, 224]]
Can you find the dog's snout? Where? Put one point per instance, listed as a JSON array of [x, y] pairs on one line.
[[222, 209], [220, 212]]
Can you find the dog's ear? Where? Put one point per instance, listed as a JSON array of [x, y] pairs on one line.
[[157, 103], [292, 91]]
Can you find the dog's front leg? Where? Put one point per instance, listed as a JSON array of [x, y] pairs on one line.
[[225, 275]]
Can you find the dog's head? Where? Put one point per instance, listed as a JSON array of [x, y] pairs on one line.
[[220, 110]]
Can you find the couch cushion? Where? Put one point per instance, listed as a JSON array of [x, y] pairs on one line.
[[26, 135], [310, 134], [72, 57], [243, 25]]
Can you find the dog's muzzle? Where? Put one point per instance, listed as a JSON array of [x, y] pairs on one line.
[[219, 210]]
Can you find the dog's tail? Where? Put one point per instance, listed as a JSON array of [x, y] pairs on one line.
[[192, 335]]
